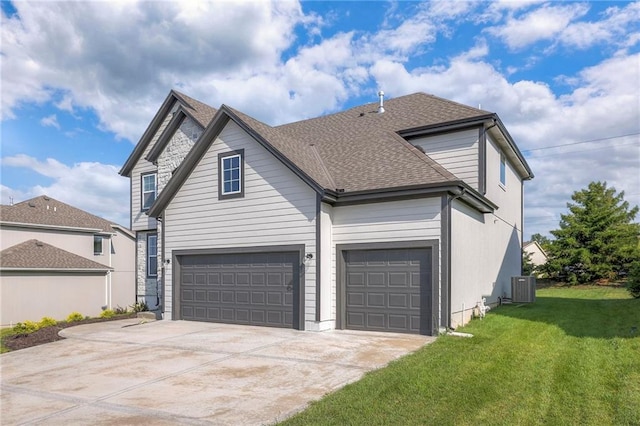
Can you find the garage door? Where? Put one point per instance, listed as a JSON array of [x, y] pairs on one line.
[[253, 289], [388, 290]]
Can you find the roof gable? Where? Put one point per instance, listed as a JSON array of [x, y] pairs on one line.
[[354, 151], [254, 128], [201, 113], [34, 254], [46, 211]]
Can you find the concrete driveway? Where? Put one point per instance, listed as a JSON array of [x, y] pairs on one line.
[[179, 372]]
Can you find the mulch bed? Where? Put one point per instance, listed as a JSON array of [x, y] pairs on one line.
[[50, 334]]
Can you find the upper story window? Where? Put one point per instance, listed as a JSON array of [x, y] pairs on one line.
[[231, 175], [97, 245], [152, 255], [503, 170], [149, 185]]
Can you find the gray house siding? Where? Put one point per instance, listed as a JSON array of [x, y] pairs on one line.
[[277, 209], [498, 236], [457, 152], [387, 222]]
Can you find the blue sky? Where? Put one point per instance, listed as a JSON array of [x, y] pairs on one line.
[[82, 80]]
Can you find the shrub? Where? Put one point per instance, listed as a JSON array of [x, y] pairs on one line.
[[75, 316], [47, 322], [633, 280], [26, 327], [140, 307], [107, 313], [121, 311]]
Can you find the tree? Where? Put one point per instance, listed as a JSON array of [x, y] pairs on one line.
[[528, 268], [597, 238], [633, 280], [542, 240]]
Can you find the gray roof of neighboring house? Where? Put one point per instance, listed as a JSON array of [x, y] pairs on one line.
[[357, 150], [34, 254], [44, 210]]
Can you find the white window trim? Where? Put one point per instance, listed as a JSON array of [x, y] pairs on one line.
[[503, 170], [152, 274], [222, 194], [231, 157], [143, 192]]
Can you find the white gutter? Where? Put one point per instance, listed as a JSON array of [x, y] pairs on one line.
[[53, 270], [56, 227]]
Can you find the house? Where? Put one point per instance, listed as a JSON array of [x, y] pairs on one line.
[[399, 216], [537, 253], [56, 259]]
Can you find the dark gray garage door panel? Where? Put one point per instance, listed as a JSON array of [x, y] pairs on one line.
[[246, 288], [388, 290]]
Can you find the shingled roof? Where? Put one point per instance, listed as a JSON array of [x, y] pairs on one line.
[[34, 255], [44, 210], [362, 149], [199, 111], [357, 150]]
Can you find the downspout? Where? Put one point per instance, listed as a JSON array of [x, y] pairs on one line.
[[160, 220], [521, 225], [109, 273], [450, 208]]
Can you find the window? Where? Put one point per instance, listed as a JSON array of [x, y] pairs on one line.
[[231, 175], [148, 190], [503, 170], [97, 245], [152, 255]]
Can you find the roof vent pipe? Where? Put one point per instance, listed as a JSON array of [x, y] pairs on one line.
[[381, 107]]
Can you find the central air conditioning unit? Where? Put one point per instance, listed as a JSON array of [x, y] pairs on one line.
[[523, 289]]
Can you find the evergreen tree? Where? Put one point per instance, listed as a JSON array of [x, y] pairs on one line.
[[542, 240], [597, 238], [528, 268]]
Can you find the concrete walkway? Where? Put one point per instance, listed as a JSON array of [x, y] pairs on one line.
[[179, 372]]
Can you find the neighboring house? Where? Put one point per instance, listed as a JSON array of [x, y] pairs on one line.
[[538, 255], [56, 259], [399, 218]]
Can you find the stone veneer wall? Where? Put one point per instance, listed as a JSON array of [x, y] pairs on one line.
[[176, 150], [148, 289]]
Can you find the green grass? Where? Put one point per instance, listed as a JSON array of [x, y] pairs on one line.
[[571, 358], [3, 333]]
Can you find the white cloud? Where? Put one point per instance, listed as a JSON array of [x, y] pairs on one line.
[[50, 121], [150, 47], [560, 25], [91, 186], [612, 29], [543, 23], [603, 103], [232, 52]]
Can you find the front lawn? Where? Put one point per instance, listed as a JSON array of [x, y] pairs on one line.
[[571, 358]]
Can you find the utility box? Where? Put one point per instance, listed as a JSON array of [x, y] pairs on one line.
[[523, 289]]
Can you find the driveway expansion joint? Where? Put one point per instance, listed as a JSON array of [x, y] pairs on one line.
[[187, 373]]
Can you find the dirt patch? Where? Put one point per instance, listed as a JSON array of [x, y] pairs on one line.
[[50, 334]]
